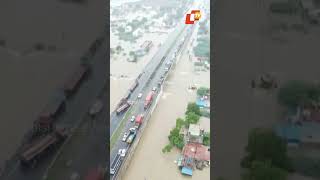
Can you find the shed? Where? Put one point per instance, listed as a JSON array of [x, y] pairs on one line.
[[186, 171]]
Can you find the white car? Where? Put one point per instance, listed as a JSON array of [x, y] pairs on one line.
[[139, 95], [133, 129], [132, 118], [125, 136], [112, 171], [122, 152], [154, 89]]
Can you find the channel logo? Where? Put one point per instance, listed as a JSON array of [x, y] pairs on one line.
[[195, 15]]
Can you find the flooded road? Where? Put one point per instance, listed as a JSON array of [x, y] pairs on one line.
[[28, 77], [148, 161]]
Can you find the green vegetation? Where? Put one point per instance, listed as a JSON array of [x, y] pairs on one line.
[[205, 112], [307, 166], [290, 7], [206, 139], [202, 91], [298, 93], [266, 156], [256, 149], [263, 170], [117, 132], [192, 107], [203, 47], [167, 148], [175, 138], [192, 118]]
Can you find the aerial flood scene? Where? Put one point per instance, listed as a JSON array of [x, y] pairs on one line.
[[41, 47], [159, 90]]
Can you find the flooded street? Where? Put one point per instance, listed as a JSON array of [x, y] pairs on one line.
[[148, 161], [29, 77], [123, 73]]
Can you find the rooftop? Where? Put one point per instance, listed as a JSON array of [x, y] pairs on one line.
[[194, 130], [196, 151]]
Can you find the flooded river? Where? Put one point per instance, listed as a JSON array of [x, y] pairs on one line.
[[148, 161], [29, 78]]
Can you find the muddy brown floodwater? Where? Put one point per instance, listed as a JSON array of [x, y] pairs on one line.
[[148, 161], [28, 80], [244, 50]]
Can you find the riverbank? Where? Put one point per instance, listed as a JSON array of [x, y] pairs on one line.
[[172, 104]]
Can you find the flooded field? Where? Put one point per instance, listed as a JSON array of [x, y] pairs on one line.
[[123, 72], [30, 77], [238, 107], [148, 161]]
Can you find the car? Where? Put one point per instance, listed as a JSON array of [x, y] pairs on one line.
[[125, 136], [154, 89], [132, 118], [166, 69], [112, 171], [122, 152], [132, 129], [139, 95]]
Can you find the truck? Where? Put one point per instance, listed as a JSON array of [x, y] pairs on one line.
[[123, 108], [138, 121], [33, 151], [134, 86], [75, 80], [148, 100], [52, 110], [96, 108], [131, 137]]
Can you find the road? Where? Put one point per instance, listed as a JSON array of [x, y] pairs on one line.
[[76, 108], [145, 76], [138, 107]]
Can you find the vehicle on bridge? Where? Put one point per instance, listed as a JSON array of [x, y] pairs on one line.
[[148, 100], [38, 147], [74, 81], [115, 164], [44, 123], [139, 95], [131, 136], [125, 136], [123, 108], [96, 108], [122, 152], [134, 86], [138, 122]]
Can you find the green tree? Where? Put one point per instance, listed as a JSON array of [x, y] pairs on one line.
[[295, 93], [179, 123], [202, 91], [263, 170], [206, 139], [192, 107], [167, 148], [118, 48], [265, 145], [175, 138], [192, 118]]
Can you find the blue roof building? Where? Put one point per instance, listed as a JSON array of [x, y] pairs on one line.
[[187, 171]]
